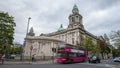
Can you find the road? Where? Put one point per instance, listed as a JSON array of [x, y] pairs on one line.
[[49, 64], [76, 65]]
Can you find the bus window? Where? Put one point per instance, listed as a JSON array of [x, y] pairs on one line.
[[74, 55], [60, 55], [80, 55], [71, 55]]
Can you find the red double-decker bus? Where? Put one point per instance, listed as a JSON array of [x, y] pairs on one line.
[[68, 53]]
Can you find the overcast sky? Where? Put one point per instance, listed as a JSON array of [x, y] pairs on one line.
[[99, 16]]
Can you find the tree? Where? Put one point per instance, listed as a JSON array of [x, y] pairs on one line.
[[88, 43], [18, 50], [115, 39], [96, 49], [104, 47], [91, 46], [116, 52], [7, 25]]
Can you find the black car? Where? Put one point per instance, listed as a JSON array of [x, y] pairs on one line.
[[94, 59]]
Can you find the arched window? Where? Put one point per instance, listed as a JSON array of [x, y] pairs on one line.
[[72, 19]]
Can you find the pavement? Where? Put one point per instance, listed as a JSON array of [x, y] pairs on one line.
[[110, 62], [27, 62]]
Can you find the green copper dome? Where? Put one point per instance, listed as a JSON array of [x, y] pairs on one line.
[[61, 28], [75, 8]]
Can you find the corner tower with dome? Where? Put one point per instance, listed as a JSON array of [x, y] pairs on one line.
[[75, 19]]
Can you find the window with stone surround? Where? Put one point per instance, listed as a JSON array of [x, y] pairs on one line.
[[73, 19], [72, 40]]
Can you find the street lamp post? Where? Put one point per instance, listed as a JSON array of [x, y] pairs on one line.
[[26, 34], [28, 26]]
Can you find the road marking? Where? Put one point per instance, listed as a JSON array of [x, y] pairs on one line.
[[102, 65], [107, 65]]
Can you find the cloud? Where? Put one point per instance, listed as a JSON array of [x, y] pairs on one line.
[[104, 20], [99, 16]]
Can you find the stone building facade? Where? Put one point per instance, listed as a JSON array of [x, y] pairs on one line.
[[42, 47], [73, 34]]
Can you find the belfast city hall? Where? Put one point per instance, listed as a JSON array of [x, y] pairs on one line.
[[74, 34]]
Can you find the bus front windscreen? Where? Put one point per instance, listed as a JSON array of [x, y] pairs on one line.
[[60, 55]]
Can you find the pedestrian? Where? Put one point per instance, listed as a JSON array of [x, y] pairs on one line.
[[3, 58], [33, 58]]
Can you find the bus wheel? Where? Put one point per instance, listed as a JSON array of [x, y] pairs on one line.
[[69, 61]]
